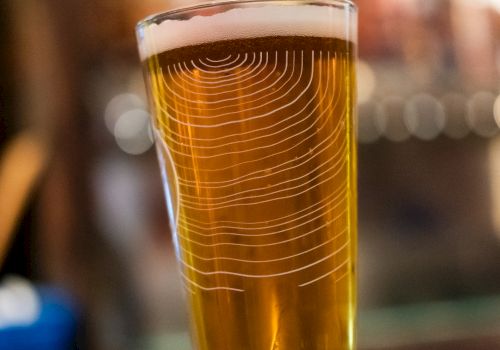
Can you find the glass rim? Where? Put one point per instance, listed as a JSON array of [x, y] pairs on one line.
[[161, 16]]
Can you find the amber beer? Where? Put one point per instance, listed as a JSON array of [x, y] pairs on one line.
[[255, 137]]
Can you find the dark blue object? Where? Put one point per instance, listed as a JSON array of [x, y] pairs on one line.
[[54, 330]]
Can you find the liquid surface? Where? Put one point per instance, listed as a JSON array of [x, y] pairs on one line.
[[256, 144], [246, 22]]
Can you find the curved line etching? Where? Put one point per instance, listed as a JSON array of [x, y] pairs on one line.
[[219, 60], [223, 64], [220, 123]]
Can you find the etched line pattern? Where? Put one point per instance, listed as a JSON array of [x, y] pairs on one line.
[[258, 151], [220, 63]]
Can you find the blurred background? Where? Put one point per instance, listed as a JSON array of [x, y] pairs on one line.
[[90, 264]]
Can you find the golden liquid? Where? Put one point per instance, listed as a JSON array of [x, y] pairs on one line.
[[256, 143]]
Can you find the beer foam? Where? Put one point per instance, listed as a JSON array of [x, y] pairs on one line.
[[244, 23]]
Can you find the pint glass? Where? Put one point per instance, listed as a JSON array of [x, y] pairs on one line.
[[253, 106]]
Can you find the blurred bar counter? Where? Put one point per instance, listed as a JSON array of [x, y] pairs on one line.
[[469, 324], [465, 324]]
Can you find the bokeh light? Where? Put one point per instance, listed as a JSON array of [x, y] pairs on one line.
[[368, 127], [480, 116], [455, 106], [496, 110], [366, 81], [118, 105], [133, 132], [424, 116], [390, 119], [19, 303]]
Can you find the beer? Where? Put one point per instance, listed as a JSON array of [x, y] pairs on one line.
[[255, 138]]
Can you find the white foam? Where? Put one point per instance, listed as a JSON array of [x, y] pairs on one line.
[[241, 23]]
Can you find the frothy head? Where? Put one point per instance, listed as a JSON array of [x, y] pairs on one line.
[[244, 23]]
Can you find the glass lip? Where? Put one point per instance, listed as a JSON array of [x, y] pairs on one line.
[[157, 18]]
